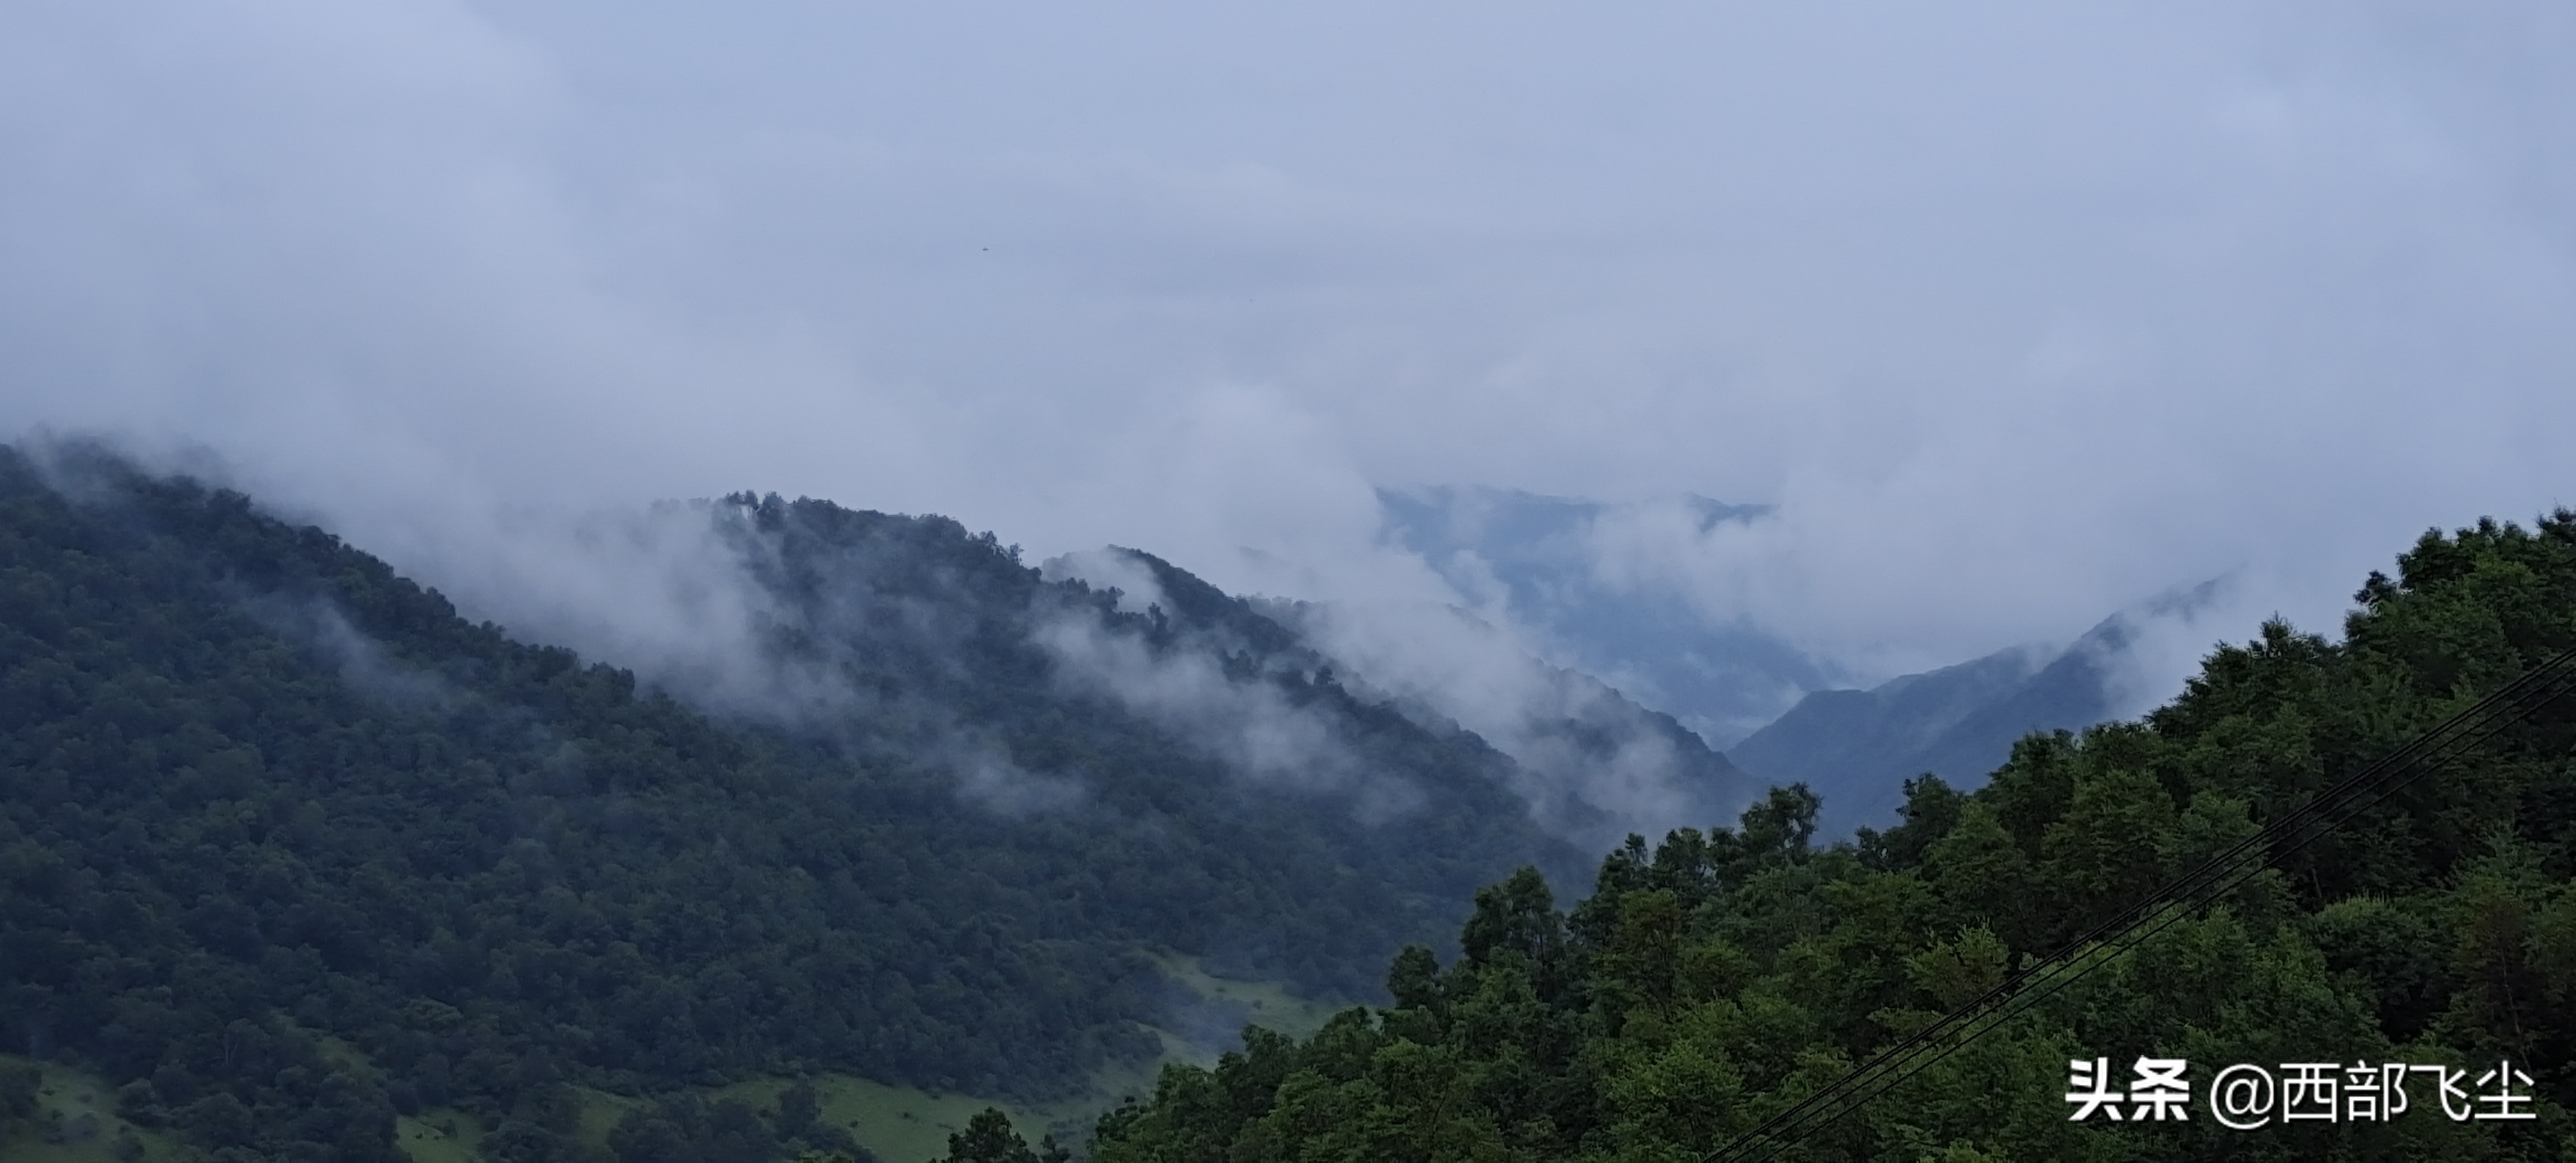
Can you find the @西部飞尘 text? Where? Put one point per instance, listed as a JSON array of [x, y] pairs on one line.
[[2248, 1097]]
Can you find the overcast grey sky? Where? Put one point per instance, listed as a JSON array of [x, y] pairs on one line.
[[2020, 311]]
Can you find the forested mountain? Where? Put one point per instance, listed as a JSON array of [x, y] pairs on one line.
[[1592, 764], [1710, 980], [1856, 748], [286, 845]]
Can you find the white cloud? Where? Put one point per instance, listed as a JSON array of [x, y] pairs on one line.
[[1250, 727], [2020, 312], [1592, 768]]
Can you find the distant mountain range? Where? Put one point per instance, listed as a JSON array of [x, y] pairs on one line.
[[1784, 716], [1856, 748], [1537, 558]]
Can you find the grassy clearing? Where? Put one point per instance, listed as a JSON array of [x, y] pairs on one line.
[[439, 1136], [901, 1124], [1269, 1003], [905, 1124], [600, 1111], [452, 1136], [87, 1108]]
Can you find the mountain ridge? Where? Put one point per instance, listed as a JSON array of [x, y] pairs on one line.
[[1534, 557], [261, 795], [1856, 748]]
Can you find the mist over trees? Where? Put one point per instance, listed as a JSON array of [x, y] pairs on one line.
[[289, 847], [1712, 979]]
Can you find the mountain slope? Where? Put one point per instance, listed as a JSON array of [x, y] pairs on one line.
[[288, 846], [1715, 980], [1593, 765], [1855, 748]]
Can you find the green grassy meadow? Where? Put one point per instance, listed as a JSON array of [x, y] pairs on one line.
[[86, 1109], [901, 1124]]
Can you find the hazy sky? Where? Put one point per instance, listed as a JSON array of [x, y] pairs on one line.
[[2020, 312]]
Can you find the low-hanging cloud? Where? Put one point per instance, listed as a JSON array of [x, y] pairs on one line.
[[2017, 312], [1246, 723], [362, 662], [1592, 766]]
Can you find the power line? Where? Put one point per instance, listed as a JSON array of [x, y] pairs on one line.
[[2180, 898], [2215, 878]]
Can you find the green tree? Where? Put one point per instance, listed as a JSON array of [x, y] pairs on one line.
[[988, 1138]]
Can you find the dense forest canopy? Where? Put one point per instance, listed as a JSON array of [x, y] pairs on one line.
[[287, 846], [1712, 979]]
